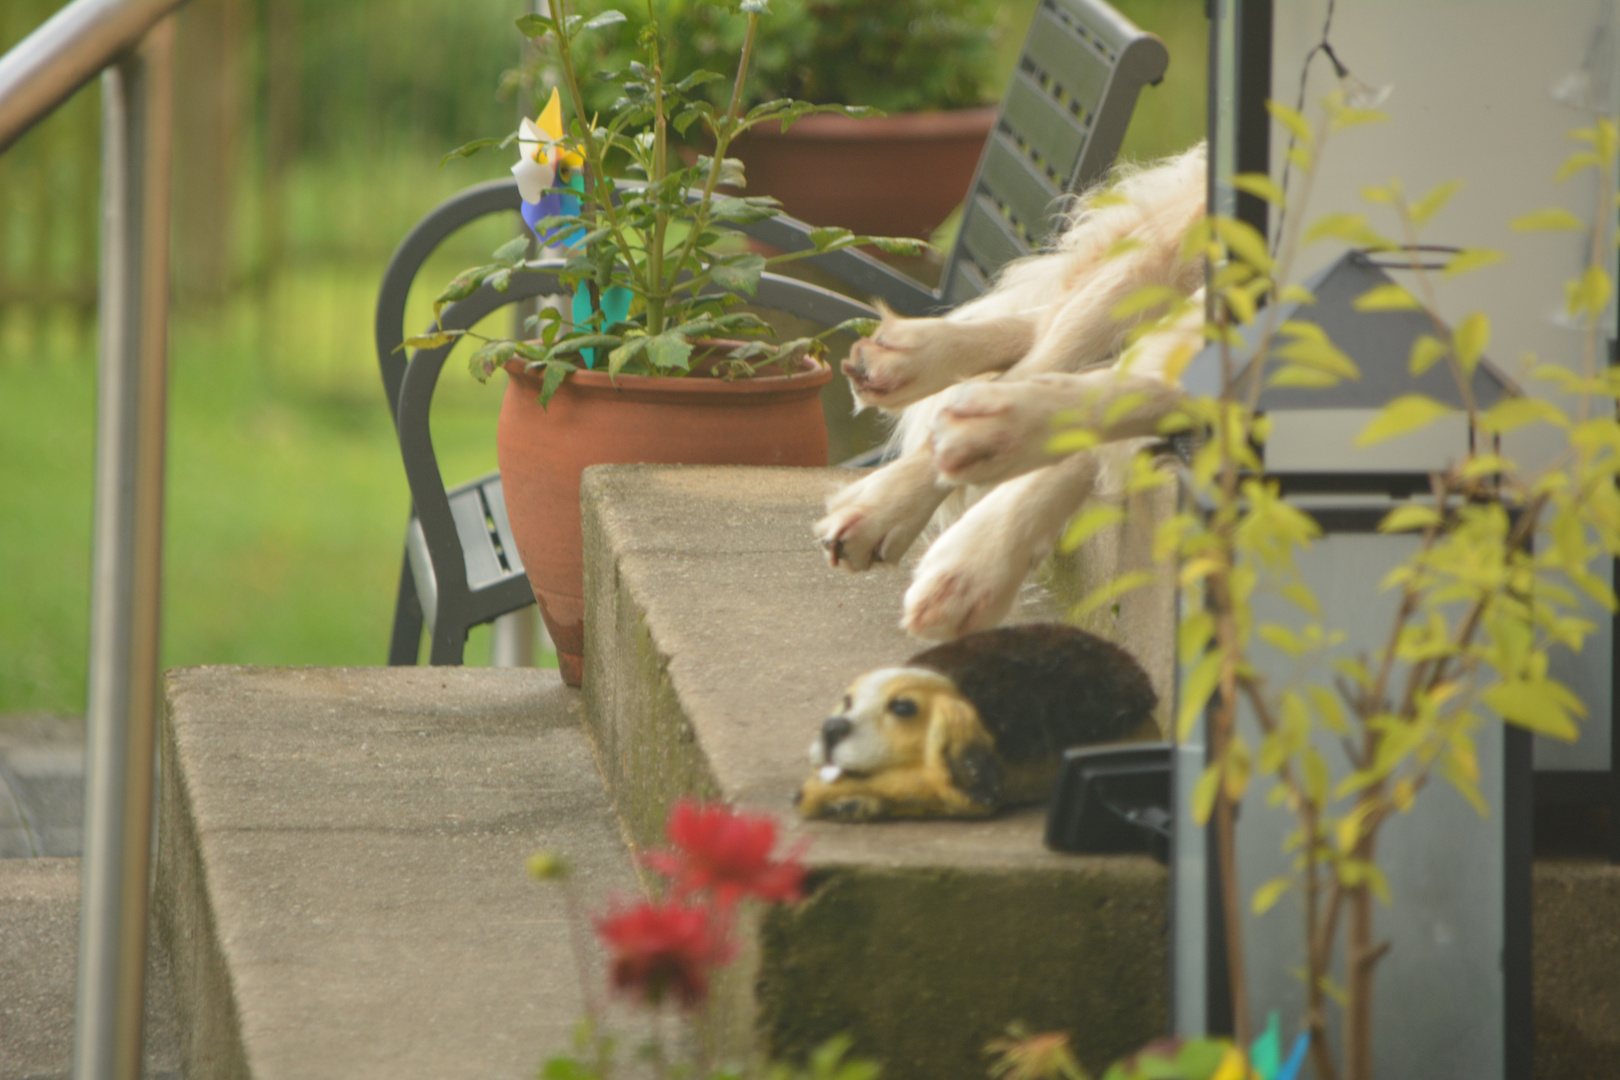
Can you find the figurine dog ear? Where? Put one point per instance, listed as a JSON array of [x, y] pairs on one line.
[[959, 745]]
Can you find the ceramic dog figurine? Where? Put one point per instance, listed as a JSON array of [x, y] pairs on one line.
[[973, 725]]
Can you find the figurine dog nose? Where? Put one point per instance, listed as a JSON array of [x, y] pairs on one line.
[[835, 731]]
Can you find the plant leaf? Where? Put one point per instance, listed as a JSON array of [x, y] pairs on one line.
[[1292, 120], [1405, 414], [1267, 895], [1548, 219], [1409, 518], [1261, 186], [1427, 351], [1088, 522], [606, 18], [668, 351], [740, 273], [1471, 259], [1391, 297], [1431, 204], [1473, 334]]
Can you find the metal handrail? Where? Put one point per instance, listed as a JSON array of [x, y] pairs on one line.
[[131, 43], [65, 52]]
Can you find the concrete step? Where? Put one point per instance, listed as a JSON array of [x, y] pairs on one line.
[[716, 639], [41, 786], [341, 877], [39, 939]]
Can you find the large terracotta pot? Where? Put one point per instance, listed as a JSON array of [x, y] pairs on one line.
[[898, 175], [632, 419]]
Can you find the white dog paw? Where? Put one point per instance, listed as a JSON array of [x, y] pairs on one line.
[[946, 601], [876, 520], [987, 432], [898, 365]]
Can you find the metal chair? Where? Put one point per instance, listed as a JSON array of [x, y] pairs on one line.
[[461, 566], [1059, 129]]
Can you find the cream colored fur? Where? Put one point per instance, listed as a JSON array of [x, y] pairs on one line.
[[982, 386]]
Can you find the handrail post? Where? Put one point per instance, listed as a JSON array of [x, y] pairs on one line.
[[137, 117]]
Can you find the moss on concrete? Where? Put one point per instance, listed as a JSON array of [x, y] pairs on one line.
[[924, 967]]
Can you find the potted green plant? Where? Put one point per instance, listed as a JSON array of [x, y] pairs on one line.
[[658, 362], [927, 65]]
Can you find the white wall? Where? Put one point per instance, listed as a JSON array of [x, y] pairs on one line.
[[1476, 96]]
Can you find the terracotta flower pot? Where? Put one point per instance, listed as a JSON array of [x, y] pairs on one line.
[[897, 175], [632, 419]]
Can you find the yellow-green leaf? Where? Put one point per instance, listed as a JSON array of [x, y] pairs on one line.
[[1391, 297], [1244, 241], [1318, 352], [1578, 162], [1471, 259], [1529, 705], [1192, 637], [1297, 294], [1329, 709], [1351, 228], [1204, 792], [1241, 304], [1146, 298], [1473, 334], [1282, 638], [1267, 895], [1548, 219], [1197, 688], [1407, 413], [1590, 293], [1306, 378], [1072, 441], [1487, 465], [1426, 207], [1427, 350], [1292, 120], [1515, 412], [1088, 523], [1259, 185], [1123, 246], [1409, 518], [1349, 118], [1384, 196]]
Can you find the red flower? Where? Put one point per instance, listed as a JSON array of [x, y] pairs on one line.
[[664, 948], [719, 850]]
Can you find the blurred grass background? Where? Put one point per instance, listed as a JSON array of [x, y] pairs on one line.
[[308, 141]]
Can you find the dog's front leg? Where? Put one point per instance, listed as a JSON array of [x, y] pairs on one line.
[[907, 360], [877, 518], [971, 575], [988, 432]]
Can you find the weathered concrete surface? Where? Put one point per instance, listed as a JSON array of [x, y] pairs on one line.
[[341, 872], [1577, 970], [716, 639], [39, 945]]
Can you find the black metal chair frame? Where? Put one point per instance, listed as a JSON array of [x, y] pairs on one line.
[[1058, 131]]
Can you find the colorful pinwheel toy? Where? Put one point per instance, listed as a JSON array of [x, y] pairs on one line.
[[550, 184]]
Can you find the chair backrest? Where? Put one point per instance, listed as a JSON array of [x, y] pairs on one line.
[[1059, 129], [388, 328]]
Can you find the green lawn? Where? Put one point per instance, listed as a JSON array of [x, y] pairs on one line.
[[286, 501]]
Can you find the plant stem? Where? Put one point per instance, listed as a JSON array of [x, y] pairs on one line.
[[655, 247], [595, 157], [723, 133]]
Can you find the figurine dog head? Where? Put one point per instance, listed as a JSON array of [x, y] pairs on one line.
[[967, 727], [904, 743]]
